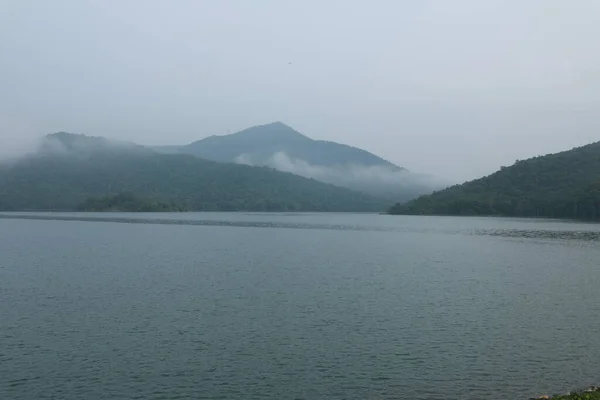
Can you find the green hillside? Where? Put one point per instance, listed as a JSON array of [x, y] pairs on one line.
[[65, 178], [561, 185]]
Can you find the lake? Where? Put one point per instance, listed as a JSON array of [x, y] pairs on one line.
[[295, 306]]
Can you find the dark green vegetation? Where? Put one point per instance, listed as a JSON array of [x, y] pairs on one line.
[[71, 169], [562, 185], [127, 202]]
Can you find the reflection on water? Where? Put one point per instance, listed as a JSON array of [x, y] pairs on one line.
[[568, 233], [196, 222]]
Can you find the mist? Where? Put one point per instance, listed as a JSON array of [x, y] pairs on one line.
[[376, 179], [16, 139], [59, 144], [454, 88], [15, 150]]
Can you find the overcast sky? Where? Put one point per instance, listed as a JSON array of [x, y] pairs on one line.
[[453, 88]]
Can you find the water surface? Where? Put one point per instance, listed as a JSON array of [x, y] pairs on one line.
[[295, 306]]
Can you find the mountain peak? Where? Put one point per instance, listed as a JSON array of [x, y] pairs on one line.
[[279, 146], [271, 131], [277, 123]]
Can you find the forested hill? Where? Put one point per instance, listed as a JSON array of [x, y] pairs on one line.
[[281, 147], [561, 185], [65, 177]]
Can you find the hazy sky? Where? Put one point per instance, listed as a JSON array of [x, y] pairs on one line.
[[455, 88]]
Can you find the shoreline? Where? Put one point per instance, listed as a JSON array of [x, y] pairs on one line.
[[592, 392]]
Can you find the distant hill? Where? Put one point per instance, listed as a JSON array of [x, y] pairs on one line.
[[561, 185], [74, 171], [281, 147], [257, 144]]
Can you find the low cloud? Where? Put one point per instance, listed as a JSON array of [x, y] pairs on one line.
[[76, 144], [16, 139], [376, 179]]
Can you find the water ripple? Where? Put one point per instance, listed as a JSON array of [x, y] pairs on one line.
[[556, 234], [401, 308]]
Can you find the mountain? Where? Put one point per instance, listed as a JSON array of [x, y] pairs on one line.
[[71, 171], [561, 185], [257, 144], [281, 147]]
